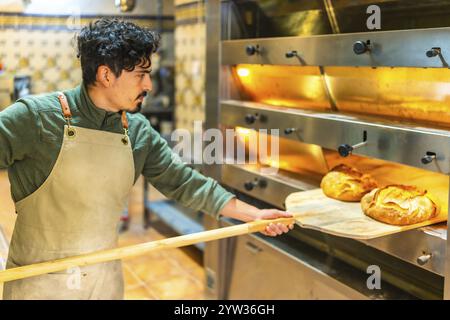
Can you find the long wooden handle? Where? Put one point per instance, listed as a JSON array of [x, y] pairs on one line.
[[135, 250]]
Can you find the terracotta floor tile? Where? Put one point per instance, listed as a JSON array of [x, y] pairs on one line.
[[200, 295], [197, 272], [131, 280], [139, 293], [154, 269], [182, 260], [179, 287]]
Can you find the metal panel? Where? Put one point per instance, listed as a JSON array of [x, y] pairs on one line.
[[423, 247], [256, 275], [405, 48], [390, 141], [276, 187], [447, 261], [212, 82], [213, 262]]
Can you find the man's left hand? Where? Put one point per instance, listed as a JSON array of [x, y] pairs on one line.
[[274, 229], [243, 211]]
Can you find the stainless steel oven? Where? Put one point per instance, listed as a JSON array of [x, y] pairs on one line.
[[337, 93]]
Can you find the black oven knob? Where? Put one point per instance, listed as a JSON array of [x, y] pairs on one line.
[[291, 54], [433, 52], [251, 49], [360, 47], [250, 118], [428, 158], [289, 130], [249, 186], [424, 259], [345, 150], [262, 183]]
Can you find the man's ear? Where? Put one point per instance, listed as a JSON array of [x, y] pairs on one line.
[[105, 76]]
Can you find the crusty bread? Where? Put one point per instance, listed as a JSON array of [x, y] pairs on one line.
[[347, 184], [399, 205]]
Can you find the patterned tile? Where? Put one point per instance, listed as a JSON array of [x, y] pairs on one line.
[[40, 54], [190, 48], [49, 52]]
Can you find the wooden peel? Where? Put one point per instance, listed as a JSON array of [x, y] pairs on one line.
[[139, 249], [314, 210]]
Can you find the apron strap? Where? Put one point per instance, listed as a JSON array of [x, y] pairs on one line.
[[68, 116], [66, 112], [124, 120], [64, 105], [125, 127]]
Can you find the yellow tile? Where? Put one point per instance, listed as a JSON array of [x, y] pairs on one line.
[[130, 279], [197, 272], [139, 293], [183, 258], [153, 269], [200, 295], [131, 237], [179, 287]]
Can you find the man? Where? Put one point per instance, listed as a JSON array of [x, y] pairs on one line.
[[73, 157]]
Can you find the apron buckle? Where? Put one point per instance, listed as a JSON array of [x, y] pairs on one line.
[[125, 136], [71, 132]]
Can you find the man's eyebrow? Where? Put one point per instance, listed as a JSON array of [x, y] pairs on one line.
[[144, 71]]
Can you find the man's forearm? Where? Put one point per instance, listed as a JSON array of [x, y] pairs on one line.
[[239, 210], [242, 211]]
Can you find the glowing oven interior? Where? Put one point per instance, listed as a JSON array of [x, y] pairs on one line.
[[420, 96]]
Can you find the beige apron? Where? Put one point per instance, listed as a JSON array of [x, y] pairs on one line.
[[76, 210]]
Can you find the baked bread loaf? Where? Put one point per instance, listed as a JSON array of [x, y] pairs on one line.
[[399, 205], [347, 184]]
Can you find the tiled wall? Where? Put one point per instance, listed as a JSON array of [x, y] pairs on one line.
[[190, 50], [47, 56], [43, 47]]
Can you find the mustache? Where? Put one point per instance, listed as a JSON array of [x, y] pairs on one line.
[[142, 95]]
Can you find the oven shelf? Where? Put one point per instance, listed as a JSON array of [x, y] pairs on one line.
[[389, 140], [407, 245]]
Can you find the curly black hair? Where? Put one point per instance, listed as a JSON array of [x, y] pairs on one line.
[[118, 44]]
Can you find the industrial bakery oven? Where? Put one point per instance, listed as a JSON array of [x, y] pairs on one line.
[[377, 100]]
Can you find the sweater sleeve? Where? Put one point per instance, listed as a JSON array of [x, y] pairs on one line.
[[18, 133], [165, 170]]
